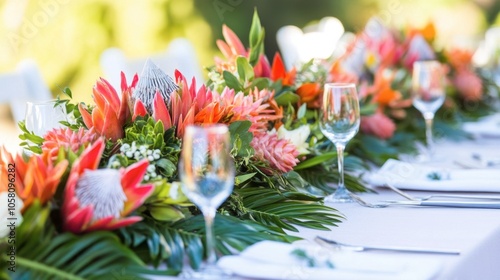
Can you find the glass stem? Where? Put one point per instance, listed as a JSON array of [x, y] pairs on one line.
[[209, 216], [428, 134], [340, 156]]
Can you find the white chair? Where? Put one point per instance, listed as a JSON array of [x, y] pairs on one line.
[[317, 41], [179, 55], [22, 85]]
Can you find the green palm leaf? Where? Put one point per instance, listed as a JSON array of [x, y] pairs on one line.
[[285, 210], [41, 254], [173, 242]]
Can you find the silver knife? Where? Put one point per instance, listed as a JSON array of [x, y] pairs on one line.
[[335, 245], [447, 203]]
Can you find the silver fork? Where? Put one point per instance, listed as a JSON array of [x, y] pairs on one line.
[[335, 244], [435, 203], [459, 196]]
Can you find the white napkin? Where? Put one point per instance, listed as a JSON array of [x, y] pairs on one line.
[[487, 127], [410, 176], [273, 260]]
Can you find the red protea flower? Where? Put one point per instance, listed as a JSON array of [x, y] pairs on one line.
[[279, 153], [100, 199], [202, 106], [110, 112], [36, 178], [67, 139]]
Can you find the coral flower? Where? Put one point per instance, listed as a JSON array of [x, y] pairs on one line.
[[279, 153], [37, 178], [232, 47], [100, 199], [65, 138], [378, 125], [468, 84], [110, 112]]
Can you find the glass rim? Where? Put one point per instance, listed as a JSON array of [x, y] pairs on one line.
[[427, 62], [340, 85], [41, 102], [217, 127]]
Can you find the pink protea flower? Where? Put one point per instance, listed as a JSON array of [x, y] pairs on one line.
[[279, 153], [65, 138], [100, 199], [378, 125], [468, 84]]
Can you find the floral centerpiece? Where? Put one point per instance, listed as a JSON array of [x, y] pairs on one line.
[[380, 60], [101, 196]]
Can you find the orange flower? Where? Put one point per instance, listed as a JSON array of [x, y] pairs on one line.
[[37, 178], [459, 58], [100, 199], [381, 89], [338, 75], [309, 93], [428, 31], [278, 71], [110, 112]]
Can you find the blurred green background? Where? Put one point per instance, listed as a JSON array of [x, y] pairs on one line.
[[67, 37]]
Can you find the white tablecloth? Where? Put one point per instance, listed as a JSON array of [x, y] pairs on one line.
[[474, 232]]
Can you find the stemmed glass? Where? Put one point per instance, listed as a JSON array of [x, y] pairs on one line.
[[42, 116], [206, 169], [339, 122], [428, 95]]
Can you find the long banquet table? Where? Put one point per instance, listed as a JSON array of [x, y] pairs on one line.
[[473, 232]]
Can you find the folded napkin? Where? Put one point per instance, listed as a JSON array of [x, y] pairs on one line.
[[274, 260], [488, 126], [410, 176]]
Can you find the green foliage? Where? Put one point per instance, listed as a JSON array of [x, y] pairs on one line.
[[149, 134], [166, 242], [241, 139], [30, 141], [283, 209], [44, 254], [256, 39], [72, 111]]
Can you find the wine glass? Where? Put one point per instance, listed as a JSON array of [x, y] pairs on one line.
[[206, 169], [339, 122], [428, 95], [43, 116]]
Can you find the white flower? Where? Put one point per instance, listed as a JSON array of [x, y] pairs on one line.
[[5, 200], [297, 137]]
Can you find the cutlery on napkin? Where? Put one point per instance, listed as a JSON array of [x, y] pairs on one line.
[[275, 260]]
